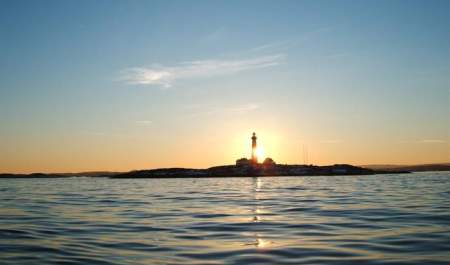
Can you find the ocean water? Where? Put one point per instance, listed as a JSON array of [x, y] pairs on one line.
[[381, 219]]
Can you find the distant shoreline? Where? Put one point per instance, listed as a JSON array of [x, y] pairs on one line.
[[253, 170], [256, 170], [239, 171]]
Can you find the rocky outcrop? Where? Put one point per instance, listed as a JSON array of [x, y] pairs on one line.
[[252, 170]]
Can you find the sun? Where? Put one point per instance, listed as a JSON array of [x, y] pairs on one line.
[[260, 153]]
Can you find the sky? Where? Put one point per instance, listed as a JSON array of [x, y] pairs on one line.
[[124, 85]]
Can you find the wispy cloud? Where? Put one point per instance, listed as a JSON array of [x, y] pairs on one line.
[[166, 75], [215, 35], [424, 141], [433, 141], [95, 133], [144, 122], [337, 55], [273, 46], [333, 141], [201, 110], [237, 109]]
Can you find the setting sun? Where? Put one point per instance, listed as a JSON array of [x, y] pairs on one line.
[[260, 153]]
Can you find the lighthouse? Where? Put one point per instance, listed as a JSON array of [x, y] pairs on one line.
[[254, 156]]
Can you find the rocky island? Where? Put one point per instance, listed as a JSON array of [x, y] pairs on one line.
[[243, 168], [257, 170], [251, 168]]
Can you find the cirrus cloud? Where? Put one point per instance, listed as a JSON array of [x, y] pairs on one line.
[[165, 76], [433, 141]]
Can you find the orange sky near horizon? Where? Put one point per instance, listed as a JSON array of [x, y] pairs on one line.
[[124, 153], [89, 86]]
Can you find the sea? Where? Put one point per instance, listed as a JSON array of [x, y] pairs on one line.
[[376, 219]]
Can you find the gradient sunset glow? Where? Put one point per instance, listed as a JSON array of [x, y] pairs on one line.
[[152, 84]]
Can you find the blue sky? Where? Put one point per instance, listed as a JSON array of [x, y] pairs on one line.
[[91, 82]]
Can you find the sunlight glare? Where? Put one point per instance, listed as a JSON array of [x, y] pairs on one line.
[[260, 153]]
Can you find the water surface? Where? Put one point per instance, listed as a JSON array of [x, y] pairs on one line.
[[382, 219]]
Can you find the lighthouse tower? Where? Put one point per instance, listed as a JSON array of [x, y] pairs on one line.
[[254, 156]]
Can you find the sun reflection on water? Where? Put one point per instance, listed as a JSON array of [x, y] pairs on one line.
[[261, 243]]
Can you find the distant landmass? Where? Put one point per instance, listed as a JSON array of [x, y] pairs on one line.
[[413, 168], [246, 170], [61, 175], [254, 170]]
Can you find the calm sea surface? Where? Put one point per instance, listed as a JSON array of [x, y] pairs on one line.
[[384, 219]]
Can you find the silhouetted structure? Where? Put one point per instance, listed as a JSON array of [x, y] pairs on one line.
[[268, 162], [250, 168], [254, 155], [243, 162], [253, 161]]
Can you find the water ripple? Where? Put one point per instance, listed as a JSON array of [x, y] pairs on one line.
[[384, 219]]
